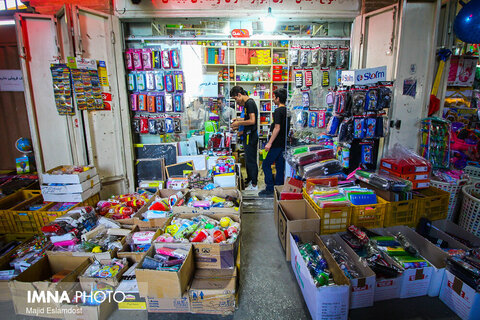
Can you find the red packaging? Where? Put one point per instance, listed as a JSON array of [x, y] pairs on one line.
[[291, 196], [143, 125], [402, 166]]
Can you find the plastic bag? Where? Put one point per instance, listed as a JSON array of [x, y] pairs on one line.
[[322, 168]]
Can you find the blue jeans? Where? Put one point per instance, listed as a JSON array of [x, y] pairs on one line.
[[274, 155]]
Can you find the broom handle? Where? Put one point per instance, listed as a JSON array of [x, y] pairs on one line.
[[436, 83]]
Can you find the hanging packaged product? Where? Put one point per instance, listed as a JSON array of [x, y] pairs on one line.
[[342, 102], [179, 81], [332, 56], [306, 99], [62, 89], [159, 81], [313, 119], [178, 101], [305, 52], [143, 125], [298, 79], [344, 54], [300, 117], [345, 159], [381, 126], [166, 63], [132, 83], [325, 77], [294, 56], [160, 102], [142, 102], [323, 59], [152, 126], [147, 59], [129, 60], [321, 119], [150, 79], [161, 125], [385, 94], [140, 80], [175, 58], [315, 55], [151, 103], [137, 59], [169, 102], [370, 124], [308, 78], [157, 59], [367, 153], [177, 125], [333, 124], [169, 83], [371, 101], [330, 98], [359, 127], [136, 124], [435, 143], [345, 131], [359, 94], [169, 125]]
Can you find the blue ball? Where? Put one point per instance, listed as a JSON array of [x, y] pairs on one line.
[[467, 23]]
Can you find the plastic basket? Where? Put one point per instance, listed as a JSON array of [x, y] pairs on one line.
[[400, 213], [333, 220], [433, 204], [23, 219], [11, 201], [43, 216], [369, 216], [470, 212], [455, 191]]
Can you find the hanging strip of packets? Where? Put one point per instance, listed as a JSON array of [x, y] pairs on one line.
[[62, 89], [87, 91]]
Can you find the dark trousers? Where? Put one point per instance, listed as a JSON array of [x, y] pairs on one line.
[[251, 156], [274, 155]]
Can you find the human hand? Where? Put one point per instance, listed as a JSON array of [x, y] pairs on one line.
[[268, 146]]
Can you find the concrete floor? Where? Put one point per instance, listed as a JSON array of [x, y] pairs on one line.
[[269, 289]]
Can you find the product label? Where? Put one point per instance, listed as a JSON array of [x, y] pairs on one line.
[[421, 169]]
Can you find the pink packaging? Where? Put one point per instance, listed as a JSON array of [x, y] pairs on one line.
[[201, 204], [134, 102], [143, 237], [137, 59], [147, 59], [128, 59], [176, 253]]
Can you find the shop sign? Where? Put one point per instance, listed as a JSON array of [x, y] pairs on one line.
[[240, 33], [11, 80], [364, 76]]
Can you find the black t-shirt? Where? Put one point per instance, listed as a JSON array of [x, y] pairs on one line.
[[280, 117], [251, 107]]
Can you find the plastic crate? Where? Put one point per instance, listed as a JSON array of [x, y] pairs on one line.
[[11, 201], [369, 216], [23, 220], [433, 204], [43, 216], [455, 191], [401, 213], [333, 220]]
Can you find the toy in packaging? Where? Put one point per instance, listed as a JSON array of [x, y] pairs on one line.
[[150, 80], [306, 99], [384, 95], [178, 100], [129, 60], [160, 103], [332, 57], [321, 119], [147, 59], [313, 119], [136, 124], [308, 78], [323, 59], [143, 125], [137, 59], [371, 101], [179, 82], [370, 124], [140, 80], [169, 103], [161, 125], [132, 84], [142, 102], [159, 84], [177, 125], [367, 153], [359, 128], [344, 53], [169, 83], [169, 125], [359, 94], [157, 59], [134, 101], [175, 58], [315, 54], [304, 56], [152, 129], [294, 56], [151, 103], [435, 143], [166, 63], [333, 125], [298, 79], [325, 77]]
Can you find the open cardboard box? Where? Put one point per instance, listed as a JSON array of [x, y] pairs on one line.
[[295, 216], [362, 289], [457, 231], [5, 265], [70, 188], [128, 286], [460, 297], [215, 255], [82, 312], [49, 177], [165, 284], [87, 282], [135, 256], [201, 194], [37, 279], [327, 302]]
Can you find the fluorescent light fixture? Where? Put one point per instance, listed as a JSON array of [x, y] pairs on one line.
[[269, 21], [7, 22]]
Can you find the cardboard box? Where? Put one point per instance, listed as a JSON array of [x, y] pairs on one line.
[[165, 284], [37, 279], [201, 194], [81, 312], [169, 305], [328, 302], [422, 281], [276, 198], [295, 216], [128, 286], [157, 223], [457, 231], [386, 289], [135, 256], [212, 292], [362, 290], [70, 188], [225, 180], [442, 237], [5, 265], [461, 298], [72, 197], [215, 255], [68, 178], [87, 283]]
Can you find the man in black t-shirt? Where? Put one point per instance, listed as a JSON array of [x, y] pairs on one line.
[[276, 144], [250, 134]]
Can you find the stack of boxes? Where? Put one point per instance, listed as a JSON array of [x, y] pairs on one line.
[[412, 170], [260, 57], [280, 73]]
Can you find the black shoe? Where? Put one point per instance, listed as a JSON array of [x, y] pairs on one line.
[[265, 193]]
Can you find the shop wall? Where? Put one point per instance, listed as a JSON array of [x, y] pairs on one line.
[[52, 6], [13, 112]]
